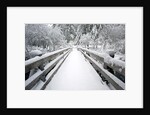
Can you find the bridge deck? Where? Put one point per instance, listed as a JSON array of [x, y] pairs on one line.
[[76, 73]]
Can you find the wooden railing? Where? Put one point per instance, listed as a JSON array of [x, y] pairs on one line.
[[99, 62], [37, 61], [51, 58]]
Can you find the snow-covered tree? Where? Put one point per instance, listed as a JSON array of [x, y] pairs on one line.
[[55, 36], [43, 36]]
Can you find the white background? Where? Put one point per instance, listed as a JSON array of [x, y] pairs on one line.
[[18, 97]]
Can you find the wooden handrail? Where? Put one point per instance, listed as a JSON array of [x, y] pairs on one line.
[[37, 61], [117, 83], [111, 62], [51, 74], [31, 81]]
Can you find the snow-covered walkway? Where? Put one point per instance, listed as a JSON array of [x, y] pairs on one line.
[[76, 73]]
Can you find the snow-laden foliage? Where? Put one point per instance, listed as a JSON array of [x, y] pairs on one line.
[[102, 37], [85, 39], [113, 37], [43, 37], [56, 38], [99, 37]]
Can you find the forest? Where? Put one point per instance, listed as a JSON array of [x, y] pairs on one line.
[[98, 37]]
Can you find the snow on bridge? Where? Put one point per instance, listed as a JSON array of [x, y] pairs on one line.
[[76, 73]]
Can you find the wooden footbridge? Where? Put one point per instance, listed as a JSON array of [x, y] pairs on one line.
[[75, 69]]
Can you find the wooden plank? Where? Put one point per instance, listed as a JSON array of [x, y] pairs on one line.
[[118, 84], [37, 61], [30, 82], [101, 59], [51, 74], [93, 53]]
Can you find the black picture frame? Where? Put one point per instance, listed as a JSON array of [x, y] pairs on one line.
[[104, 3]]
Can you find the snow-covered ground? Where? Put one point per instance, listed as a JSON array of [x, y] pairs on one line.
[[76, 73]]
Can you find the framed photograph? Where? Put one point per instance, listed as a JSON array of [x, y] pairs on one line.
[[74, 57]]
